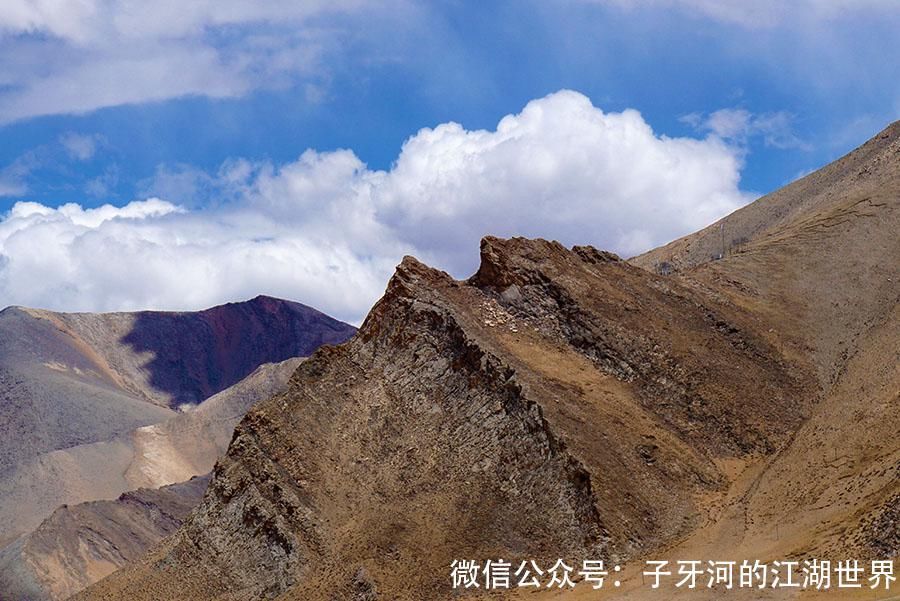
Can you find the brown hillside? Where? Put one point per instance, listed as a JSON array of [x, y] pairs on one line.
[[151, 456], [80, 544], [566, 404], [73, 388], [821, 258], [552, 406]]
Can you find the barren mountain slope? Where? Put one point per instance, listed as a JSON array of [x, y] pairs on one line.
[[80, 544], [72, 379], [558, 404], [54, 395], [828, 283], [190, 443], [74, 387], [822, 260], [566, 404], [874, 164], [151, 456], [833, 493]]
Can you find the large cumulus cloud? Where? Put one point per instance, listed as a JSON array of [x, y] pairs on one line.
[[326, 230]]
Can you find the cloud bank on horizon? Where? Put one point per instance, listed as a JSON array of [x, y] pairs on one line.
[[327, 230]]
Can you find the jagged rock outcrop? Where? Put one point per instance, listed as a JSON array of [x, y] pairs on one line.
[[566, 403], [548, 407]]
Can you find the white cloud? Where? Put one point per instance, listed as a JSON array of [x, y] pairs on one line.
[[56, 17], [88, 21], [326, 230], [81, 147], [11, 186], [13, 176], [77, 56], [764, 13], [563, 169], [737, 125]]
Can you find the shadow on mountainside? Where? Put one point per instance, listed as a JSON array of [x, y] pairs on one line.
[[196, 355]]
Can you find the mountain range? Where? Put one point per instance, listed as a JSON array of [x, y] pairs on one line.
[[732, 395], [96, 405]]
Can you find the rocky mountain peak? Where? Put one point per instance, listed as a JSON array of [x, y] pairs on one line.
[[568, 404], [508, 413]]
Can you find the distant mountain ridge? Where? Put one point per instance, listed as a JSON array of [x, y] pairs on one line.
[[68, 379], [174, 358], [89, 403], [75, 386], [184, 445]]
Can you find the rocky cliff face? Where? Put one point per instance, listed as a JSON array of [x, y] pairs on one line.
[[551, 406]]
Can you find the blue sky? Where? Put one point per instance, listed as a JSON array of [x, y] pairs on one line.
[[196, 104]]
